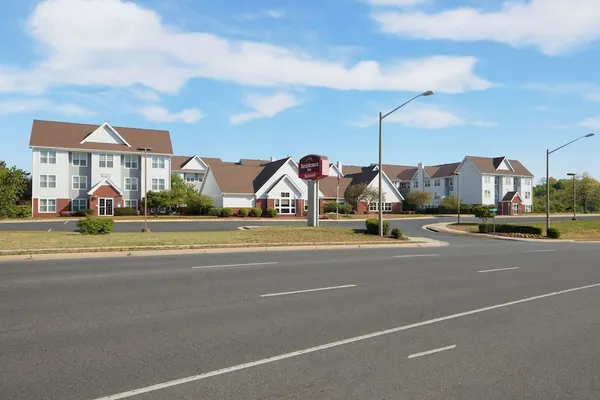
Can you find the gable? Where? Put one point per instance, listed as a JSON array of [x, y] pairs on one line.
[[504, 166], [390, 191], [285, 185], [195, 163], [105, 134]]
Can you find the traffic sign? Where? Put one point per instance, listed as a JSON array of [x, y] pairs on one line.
[[493, 209]]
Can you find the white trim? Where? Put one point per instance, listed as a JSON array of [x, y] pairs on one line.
[[112, 207], [105, 124], [394, 188], [191, 158], [105, 181], [79, 154], [79, 199], [282, 178], [131, 180], [132, 160], [47, 211], [79, 182], [75, 149]]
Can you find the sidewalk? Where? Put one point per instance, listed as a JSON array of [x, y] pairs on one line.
[[143, 251]]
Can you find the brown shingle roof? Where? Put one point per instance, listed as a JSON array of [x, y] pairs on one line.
[[509, 196], [69, 135], [236, 178], [328, 186], [401, 172], [247, 161], [442, 170], [177, 162], [488, 165]]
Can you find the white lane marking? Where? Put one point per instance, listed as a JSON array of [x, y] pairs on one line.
[[235, 265], [49, 229], [308, 290], [540, 251], [425, 353], [309, 350], [499, 269], [66, 222], [416, 255]]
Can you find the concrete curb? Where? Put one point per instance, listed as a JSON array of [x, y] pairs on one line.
[[177, 250]]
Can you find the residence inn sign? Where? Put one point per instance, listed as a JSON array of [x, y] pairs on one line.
[[313, 167]]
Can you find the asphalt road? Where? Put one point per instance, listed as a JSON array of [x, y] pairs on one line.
[[503, 320]]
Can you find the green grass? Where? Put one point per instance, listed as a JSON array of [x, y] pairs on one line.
[[583, 229], [26, 240]]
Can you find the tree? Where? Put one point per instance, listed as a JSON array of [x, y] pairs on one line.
[[370, 195], [158, 200], [13, 183], [353, 193], [588, 193], [178, 192], [418, 199], [449, 203], [483, 212], [561, 195], [196, 203]]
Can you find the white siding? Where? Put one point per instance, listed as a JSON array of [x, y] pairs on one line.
[[237, 201], [284, 186], [114, 173], [471, 183], [390, 195], [60, 169], [194, 164], [289, 169], [155, 173], [527, 188], [104, 134], [487, 186], [211, 189], [504, 166]]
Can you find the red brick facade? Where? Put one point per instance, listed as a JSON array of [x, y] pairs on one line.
[[299, 207], [507, 207], [105, 191], [61, 205]]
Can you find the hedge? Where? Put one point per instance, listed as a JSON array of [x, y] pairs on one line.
[[83, 213], [332, 206], [125, 211], [256, 212], [507, 228], [372, 225], [214, 211], [397, 233], [271, 212], [21, 211], [226, 212], [553, 233], [95, 226], [242, 212]]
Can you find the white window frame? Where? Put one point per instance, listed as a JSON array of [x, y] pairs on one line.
[[436, 196], [374, 206], [131, 203], [527, 195], [47, 157], [290, 208], [79, 159], [436, 182], [131, 184], [132, 161], [107, 159], [508, 181], [48, 181], [82, 182], [426, 183], [191, 177], [45, 204], [487, 179], [158, 162], [451, 182], [158, 184], [78, 201], [487, 194], [415, 184]]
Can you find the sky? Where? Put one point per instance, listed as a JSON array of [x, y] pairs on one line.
[[270, 78]]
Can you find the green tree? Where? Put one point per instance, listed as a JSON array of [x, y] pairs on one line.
[[449, 203], [353, 193], [178, 192], [483, 212], [158, 199], [588, 193], [561, 195], [418, 199], [13, 183], [196, 203]]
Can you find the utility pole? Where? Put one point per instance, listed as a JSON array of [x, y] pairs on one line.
[[146, 150]]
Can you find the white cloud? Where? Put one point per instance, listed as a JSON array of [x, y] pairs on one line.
[[586, 90], [553, 26], [264, 106], [37, 105], [424, 117], [396, 3], [145, 94], [86, 45], [160, 114], [590, 123]]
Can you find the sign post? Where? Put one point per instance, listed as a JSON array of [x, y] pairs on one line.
[[494, 210], [313, 168]]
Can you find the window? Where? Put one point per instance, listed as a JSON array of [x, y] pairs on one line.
[[426, 183], [285, 205], [47, 157], [416, 184], [79, 159], [79, 182], [436, 182], [131, 162], [374, 206], [48, 181], [78, 204], [508, 181], [131, 184], [191, 178], [436, 196], [527, 182], [47, 205], [496, 194], [158, 162], [158, 184], [106, 161], [404, 185], [528, 208], [131, 204], [487, 179], [451, 182], [527, 195], [487, 194]]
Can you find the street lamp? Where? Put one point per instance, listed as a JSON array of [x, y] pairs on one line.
[[457, 174], [381, 117], [574, 208], [145, 150], [548, 152]]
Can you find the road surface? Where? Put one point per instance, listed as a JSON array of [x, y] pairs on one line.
[[479, 319]]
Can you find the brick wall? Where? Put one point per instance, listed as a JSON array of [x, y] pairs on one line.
[[105, 191], [61, 205]]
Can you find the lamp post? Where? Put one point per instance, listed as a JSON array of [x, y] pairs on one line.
[[457, 174], [548, 152], [145, 150], [381, 117], [574, 207]]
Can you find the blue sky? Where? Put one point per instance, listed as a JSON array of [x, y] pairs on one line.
[[239, 79]]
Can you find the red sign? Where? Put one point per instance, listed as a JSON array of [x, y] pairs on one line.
[[313, 167]]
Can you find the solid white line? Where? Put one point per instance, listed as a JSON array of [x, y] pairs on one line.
[[539, 251], [235, 265], [499, 269], [416, 255], [49, 230], [309, 350], [432, 351], [66, 222], [307, 290]]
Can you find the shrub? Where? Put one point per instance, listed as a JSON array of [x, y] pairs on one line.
[[256, 212], [214, 211], [226, 212], [396, 233], [242, 212], [95, 226], [123, 211], [372, 225], [553, 233], [83, 213], [507, 228], [21, 211], [271, 213], [66, 213], [332, 206], [483, 212], [485, 228]]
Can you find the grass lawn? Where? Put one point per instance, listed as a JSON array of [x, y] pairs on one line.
[[385, 216], [465, 227], [17, 240], [583, 229]]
